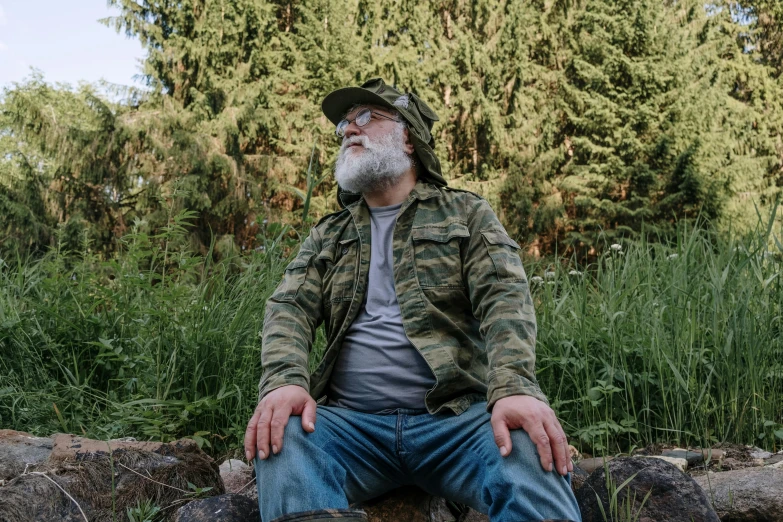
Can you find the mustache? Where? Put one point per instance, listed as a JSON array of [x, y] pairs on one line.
[[361, 140]]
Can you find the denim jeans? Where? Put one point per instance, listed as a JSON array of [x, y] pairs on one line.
[[353, 457]]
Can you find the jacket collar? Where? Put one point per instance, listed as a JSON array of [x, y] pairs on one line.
[[423, 190]]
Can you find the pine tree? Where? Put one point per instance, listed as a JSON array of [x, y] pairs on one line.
[[651, 127]]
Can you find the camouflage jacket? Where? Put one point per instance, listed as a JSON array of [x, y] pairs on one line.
[[462, 291]]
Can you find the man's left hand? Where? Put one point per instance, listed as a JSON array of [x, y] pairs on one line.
[[540, 423]]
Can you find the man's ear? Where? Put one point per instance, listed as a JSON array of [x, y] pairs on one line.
[[407, 145]]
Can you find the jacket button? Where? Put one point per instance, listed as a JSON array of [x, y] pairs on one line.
[[345, 250]]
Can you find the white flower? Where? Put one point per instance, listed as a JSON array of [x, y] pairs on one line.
[[672, 256], [549, 275], [616, 247], [537, 280], [575, 273]]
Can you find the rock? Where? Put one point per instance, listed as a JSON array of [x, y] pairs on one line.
[[680, 464], [411, 504], [674, 497], [575, 455], [693, 458], [73, 448], [777, 465], [578, 478], [238, 478], [20, 451], [752, 494], [233, 465], [34, 497], [104, 477], [773, 460], [222, 508], [760, 454], [590, 465]]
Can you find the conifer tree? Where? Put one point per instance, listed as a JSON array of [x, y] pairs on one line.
[[651, 127], [574, 118]]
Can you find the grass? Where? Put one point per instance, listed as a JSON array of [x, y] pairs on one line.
[[676, 343], [652, 342]]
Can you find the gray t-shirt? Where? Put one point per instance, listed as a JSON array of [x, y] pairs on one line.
[[378, 368]]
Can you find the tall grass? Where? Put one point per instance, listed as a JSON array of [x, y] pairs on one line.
[[672, 342], [158, 343], [654, 341]]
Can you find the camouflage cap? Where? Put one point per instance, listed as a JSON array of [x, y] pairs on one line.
[[419, 116]]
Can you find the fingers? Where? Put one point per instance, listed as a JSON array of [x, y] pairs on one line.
[[278, 423], [262, 432], [543, 444], [559, 446], [250, 434], [308, 416], [502, 436]]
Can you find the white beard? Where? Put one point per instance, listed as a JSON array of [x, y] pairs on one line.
[[376, 167]]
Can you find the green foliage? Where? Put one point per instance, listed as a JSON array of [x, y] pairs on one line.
[[145, 511], [677, 342], [622, 506], [156, 342], [659, 114], [672, 342], [574, 118]]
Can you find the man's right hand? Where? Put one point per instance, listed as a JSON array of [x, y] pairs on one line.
[[268, 422]]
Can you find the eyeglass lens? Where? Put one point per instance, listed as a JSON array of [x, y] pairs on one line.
[[361, 119]]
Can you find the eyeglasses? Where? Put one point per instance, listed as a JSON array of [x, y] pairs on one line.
[[361, 119]]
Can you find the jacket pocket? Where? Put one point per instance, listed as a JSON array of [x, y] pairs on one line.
[[436, 251], [504, 253], [295, 276], [340, 279]]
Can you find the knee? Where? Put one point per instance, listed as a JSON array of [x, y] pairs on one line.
[[524, 448]]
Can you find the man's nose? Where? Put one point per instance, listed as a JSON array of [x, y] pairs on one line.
[[352, 130]]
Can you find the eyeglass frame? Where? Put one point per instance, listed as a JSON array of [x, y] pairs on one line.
[[347, 122]]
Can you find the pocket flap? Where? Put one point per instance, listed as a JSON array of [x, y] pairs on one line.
[[499, 237], [301, 261], [440, 234]]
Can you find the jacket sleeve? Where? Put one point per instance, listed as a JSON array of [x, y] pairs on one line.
[[293, 313], [500, 299]]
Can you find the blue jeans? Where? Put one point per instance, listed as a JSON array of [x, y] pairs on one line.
[[353, 457]]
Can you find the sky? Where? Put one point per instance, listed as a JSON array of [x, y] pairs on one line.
[[63, 39]]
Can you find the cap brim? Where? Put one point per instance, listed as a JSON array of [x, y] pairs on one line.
[[338, 102]]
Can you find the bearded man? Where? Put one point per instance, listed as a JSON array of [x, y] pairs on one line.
[[428, 377]]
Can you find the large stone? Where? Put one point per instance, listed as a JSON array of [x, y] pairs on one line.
[[37, 498], [20, 451], [222, 508], [674, 496], [773, 460], [407, 504], [678, 463], [578, 478], [238, 478], [102, 478], [411, 504], [752, 494]]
